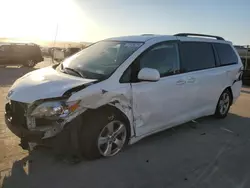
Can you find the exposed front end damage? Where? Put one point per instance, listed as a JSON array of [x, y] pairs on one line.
[[64, 131], [60, 134]]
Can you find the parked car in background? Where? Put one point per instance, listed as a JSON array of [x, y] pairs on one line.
[[27, 54], [52, 49], [45, 51], [60, 54], [72, 50], [244, 53], [120, 90]]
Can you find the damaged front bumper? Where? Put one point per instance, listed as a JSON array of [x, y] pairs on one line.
[[56, 134], [21, 131]]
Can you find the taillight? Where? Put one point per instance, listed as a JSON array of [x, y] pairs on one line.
[[239, 74]]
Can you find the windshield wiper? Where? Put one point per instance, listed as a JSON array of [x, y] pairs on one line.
[[74, 71]]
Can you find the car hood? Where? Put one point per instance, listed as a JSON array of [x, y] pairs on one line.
[[43, 83]]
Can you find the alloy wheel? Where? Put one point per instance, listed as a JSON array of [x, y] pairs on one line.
[[112, 138], [30, 63], [224, 103]]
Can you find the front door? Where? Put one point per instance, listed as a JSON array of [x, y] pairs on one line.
[[165, 103]]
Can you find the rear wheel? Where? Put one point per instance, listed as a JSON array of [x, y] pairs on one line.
[[103, 136], [224, 104], [30, 63]]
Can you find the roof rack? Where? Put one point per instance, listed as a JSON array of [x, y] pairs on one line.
[[198, 35], [147, 34]]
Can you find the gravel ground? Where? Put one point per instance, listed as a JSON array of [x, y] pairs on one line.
[[206, 153]]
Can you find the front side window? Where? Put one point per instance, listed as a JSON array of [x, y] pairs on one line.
[[226, 54], [196, 56], [163, 57], [101, 59]]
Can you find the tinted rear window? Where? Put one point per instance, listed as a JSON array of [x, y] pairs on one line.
[[196, 56], [226, 54]]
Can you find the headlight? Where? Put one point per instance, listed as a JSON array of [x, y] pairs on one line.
[[55, 109]]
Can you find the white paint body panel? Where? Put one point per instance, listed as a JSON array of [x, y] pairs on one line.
[[160, 104], [44, 83], [149, 106]]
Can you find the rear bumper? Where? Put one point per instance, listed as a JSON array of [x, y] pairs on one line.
[[40, 59], [236, 88]]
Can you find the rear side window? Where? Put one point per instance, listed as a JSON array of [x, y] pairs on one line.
[[196, 56], [226, 54]]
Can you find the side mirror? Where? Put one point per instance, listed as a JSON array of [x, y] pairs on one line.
[[148, 74]]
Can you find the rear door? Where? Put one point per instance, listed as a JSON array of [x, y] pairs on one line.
[[199, 67]]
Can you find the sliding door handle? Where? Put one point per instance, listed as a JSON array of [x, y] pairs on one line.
[[180, 82]]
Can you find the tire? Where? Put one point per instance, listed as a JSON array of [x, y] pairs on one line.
[[223, 104], [30, 63], [97, 139]]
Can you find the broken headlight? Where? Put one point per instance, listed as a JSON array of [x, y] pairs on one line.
[[55, 109]]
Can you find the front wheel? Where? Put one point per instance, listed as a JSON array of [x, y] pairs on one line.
[[224, 104], [103, 136]]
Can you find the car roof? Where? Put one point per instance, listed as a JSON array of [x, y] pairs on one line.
[[138, 38], [146, 37]]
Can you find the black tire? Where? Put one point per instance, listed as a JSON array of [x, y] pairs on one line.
[[219, 113], [90, 131]]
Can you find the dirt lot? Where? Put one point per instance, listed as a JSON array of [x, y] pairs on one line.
[[206, 153]]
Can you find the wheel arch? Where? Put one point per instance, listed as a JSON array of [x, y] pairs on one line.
[[113, 109]]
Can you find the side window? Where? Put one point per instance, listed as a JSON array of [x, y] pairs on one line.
[[196, 56], [226, 54], [126, 77], [163, 57]]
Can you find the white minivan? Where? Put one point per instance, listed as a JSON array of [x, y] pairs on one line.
[[119, 90]]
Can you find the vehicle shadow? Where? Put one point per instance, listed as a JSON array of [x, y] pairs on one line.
[[202, 153], [8, 75]]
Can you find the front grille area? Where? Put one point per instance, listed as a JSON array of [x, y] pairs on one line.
[[40, 122], [16, 111]]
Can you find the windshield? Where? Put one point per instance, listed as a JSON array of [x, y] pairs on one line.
[[101, 59]]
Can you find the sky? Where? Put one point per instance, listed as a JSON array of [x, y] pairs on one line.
[[93, 20]]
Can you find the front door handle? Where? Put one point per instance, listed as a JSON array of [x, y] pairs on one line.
[[180, 82]]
